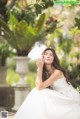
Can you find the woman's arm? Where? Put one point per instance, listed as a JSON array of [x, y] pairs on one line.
[[41, 85], [39, 64], [39, 82]]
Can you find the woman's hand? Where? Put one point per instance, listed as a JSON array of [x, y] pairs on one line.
[[40, 62]]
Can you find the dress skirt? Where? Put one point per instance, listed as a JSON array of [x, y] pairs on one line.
[[48, 104]]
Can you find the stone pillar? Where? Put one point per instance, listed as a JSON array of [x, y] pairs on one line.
[[21, 88], [21, 93]]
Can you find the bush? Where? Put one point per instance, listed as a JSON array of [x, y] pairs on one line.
[[32, 66], [5, 51], [30, 78], [11, 64], [13, 78]]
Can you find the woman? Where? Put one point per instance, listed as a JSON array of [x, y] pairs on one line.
[[54, 97]]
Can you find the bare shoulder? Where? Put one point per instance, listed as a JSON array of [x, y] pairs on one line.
[[57, 73], [54, 76]]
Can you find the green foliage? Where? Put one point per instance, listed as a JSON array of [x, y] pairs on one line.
[[32, 66], [13, 78], [31, 11], [30, 78], [40, 22], [64, 43], [22, 36], [75, 75], [77, 20], [11, 64], [23, 29], [66, 46], [5, 51], [51, 28], [3, 10]]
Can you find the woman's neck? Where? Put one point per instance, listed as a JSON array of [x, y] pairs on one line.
[[49, 68]]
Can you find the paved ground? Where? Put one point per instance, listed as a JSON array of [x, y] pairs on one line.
[[10, 115]]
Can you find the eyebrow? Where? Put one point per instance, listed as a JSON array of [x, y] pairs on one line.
[[50, 53]]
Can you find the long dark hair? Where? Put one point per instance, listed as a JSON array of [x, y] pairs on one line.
[[55, 64]]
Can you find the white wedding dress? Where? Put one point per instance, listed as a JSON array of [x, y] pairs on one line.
[[63, 102]]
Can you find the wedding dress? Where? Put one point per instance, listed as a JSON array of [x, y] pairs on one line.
[[61, 102]]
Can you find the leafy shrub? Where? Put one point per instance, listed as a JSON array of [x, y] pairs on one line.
[[13, 78], [32, 66]]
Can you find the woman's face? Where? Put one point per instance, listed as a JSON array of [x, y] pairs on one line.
[[48, 57]]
